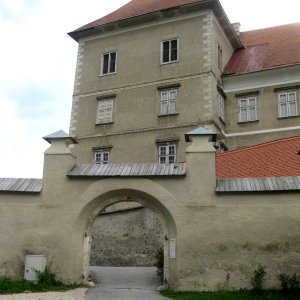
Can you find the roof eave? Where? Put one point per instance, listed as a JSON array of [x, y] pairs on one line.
[[232, 75], [165, 13]]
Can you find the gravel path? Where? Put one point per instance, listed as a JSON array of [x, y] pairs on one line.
[[125, 283], [77, 294]]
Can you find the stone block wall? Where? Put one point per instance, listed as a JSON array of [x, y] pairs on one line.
[[126, 237]]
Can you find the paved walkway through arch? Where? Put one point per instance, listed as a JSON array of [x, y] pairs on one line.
[[126, 283]]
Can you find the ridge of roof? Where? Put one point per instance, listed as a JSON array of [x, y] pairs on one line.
[[247, 148], [270, 27]]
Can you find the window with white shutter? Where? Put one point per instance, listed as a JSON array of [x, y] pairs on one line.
[[221, 107], [168, 99], [105, 111], [287, 104], [247, 109]]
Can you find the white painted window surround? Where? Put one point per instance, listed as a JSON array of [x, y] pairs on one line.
[[287, 104], [105, 111], [169, 51], [167, 153], [247, 109], [102, 157], [168, 99], [108, 63]]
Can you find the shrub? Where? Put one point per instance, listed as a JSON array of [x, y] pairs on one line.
[[159, 259], [46, 277], [289, 282], [258, 278], [160, 262]]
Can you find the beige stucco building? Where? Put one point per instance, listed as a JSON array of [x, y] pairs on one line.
[[158, 88]]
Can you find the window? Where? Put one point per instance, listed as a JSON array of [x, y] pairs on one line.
[[168, 100], [248, 109], [221, 107], [169, 51], [105, 111], [220, 57], [101, 157], [167, 153], [108, 63], [287, 104]]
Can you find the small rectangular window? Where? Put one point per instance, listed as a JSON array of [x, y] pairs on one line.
[[221, 107], [169, 51], [108, 63], [168, 99], [220, 57], [287, 104], [167, 153], [105, 111], [102, 157], [248, 109]]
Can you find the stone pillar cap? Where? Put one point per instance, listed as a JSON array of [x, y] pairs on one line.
[[59, 135], [201, 131]]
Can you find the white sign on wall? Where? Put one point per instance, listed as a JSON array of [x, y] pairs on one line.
[[172, 248]]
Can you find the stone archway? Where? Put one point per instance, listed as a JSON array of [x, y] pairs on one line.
[[111, 191]]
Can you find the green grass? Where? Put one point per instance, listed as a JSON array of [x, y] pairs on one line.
[[14, 286], [247, 295]]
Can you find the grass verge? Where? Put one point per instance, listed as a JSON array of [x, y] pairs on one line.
[[245, 295], [14, 286]]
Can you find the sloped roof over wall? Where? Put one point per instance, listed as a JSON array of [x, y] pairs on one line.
[[20, 185], [264, 184], [271, 159], [266, 49], [128, 170]]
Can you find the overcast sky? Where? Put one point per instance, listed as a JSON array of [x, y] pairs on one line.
[[37, 67]]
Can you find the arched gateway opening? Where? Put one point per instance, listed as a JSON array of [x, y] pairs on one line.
[[150, 195]]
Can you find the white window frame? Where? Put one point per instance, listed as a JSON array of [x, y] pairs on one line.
[[102, 156], [109, 61], [105, 111], [247, 108], [221, 107], [288, 103], [170, 61], [167, 154], [166, 101]]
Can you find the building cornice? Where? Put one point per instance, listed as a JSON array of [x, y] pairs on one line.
[[267, 78], [266, 131]]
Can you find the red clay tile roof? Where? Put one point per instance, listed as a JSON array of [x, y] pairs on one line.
[[266, 49], [136, 8], [270, 159]]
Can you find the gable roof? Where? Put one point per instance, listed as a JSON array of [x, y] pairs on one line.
[[271, 159], [266, 49]]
